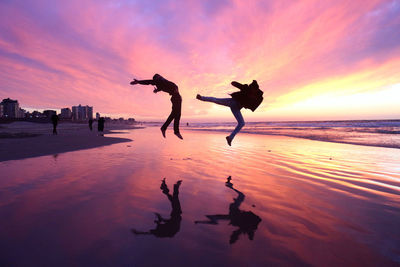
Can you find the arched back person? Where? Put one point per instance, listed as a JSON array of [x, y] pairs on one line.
[[171, 88]]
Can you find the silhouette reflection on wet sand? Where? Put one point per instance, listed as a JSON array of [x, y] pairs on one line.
[[167, 227], [247, 221]]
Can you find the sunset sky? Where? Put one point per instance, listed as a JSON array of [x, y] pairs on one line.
[[314, 60]]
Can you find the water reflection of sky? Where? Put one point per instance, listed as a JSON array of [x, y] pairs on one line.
[[320, 203]]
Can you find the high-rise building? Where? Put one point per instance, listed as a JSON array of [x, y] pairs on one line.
[[1, 110], [82, 113], [66, 113], [10, 108], [90, 112], [97, 116], [21, 113]]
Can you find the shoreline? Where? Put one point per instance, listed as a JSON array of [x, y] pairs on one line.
[[313, 138], [26, 140]]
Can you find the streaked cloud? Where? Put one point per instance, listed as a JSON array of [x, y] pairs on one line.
[[61, 53]]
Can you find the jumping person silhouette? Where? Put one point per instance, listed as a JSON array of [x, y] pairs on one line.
[[167, 227], [171, 88], [250, 96], [246, 221]]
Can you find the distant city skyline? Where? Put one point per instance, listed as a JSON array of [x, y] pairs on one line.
[[11, 108]]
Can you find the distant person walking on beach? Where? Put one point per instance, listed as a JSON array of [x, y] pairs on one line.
[[54, 121], [91, 124], [100, 125], [250, 96], [171, 88]]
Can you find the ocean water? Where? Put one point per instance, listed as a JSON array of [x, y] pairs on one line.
[[381, 133], [288, 202]]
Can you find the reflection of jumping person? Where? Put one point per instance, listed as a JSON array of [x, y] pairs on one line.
[[247, 221], [167, 227], [91, 124], [250, 96], [54, 120], [163, 84]]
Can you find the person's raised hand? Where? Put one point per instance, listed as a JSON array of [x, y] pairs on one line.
[[134, 82]]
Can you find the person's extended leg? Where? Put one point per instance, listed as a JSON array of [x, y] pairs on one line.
[[177, 107], [220, 101], [169, 119], [176, 205], [167, 122], [235, 108], [238, 116]]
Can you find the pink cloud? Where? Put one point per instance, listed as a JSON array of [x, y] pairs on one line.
[[70, 52]]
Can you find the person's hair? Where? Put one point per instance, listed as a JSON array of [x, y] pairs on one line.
[[157, 76]]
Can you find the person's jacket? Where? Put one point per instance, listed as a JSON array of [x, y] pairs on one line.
[[250, 96], [163, 84]]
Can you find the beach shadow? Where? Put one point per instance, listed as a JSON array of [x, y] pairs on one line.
[[167, 227], [246, 221]]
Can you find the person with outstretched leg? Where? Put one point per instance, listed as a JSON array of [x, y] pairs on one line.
[[250, 96]]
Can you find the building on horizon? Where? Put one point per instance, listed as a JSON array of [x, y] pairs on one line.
[[10, 108], [21, 113], [66, 113], [82, 113], [97, 116], [48, 113], [1, 110], [37, 114]]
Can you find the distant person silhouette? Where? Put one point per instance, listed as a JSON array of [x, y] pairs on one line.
[[167, 227], [250, 96], [91, 124], [100, 125], [54, 121], [247, 221], [171, 88]]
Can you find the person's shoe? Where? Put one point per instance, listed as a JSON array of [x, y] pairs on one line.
[[229, 140], [198, 97], [163, 131], [179, 135]]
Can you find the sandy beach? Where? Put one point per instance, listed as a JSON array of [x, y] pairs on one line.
[[26, 139], [290, 201]]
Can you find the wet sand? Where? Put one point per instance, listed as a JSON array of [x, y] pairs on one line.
[[319, 203], [21, 140]]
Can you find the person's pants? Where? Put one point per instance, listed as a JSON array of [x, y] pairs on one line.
[[175, 113], [235, 108], [54, 128]]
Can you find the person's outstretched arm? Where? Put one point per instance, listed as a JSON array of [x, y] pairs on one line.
[[239, 85], [144, 82]]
